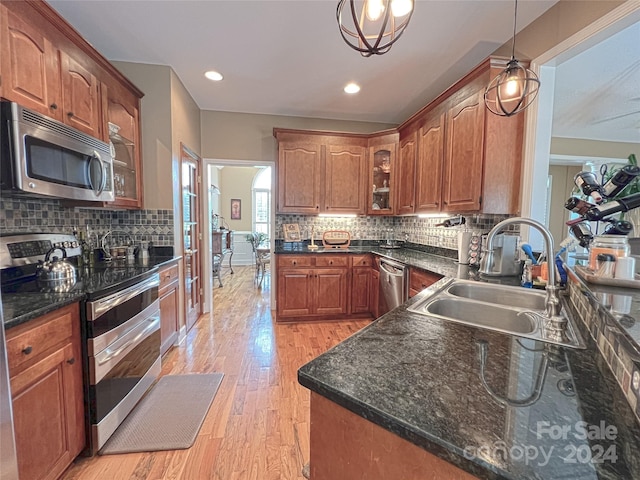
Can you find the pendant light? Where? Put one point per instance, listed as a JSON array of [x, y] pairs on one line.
[[515, 88], [372, 26]]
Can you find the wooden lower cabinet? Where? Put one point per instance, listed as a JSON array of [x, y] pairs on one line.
[[169, 306], [421, 279], [346, 446], [312, 292], [45, 370], [361, 266], [323, 286]]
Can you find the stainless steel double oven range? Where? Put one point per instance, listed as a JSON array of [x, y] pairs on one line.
[[120, 325]]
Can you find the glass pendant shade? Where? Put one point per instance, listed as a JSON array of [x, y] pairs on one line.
[[512, 91], [372, 26]]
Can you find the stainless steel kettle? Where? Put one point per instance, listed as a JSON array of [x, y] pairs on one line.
[[57, 270]]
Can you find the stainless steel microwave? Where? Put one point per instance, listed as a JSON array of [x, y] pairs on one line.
[[41, 156]]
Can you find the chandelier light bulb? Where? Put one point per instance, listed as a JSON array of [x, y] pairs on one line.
[[372, 26], [515, 88], [374, 9], [400, 8]]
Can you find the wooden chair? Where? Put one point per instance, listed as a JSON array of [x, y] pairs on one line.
[[261, 256]]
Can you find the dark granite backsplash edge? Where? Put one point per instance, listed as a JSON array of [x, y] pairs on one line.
[[619, 352]]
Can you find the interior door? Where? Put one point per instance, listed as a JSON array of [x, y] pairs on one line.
[[191, 235]]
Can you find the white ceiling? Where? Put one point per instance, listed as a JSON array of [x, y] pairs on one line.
[[288, 58], [597, 93]]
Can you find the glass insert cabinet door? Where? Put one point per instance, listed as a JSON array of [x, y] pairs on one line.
[[191, 237], [382, 163]]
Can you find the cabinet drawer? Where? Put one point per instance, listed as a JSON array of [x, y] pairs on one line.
[[421, 279], [332, 261], [295, 260], [168, 275], [28, 341], [361, 260]]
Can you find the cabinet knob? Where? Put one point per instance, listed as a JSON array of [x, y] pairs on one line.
[[53, 106], [27, 350], [317, 206], [294, 262], [70, 114], [71, 361]]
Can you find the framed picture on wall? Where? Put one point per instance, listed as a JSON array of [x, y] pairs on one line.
[[236, 209]]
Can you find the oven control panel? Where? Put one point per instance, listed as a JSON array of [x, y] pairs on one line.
[[16, 250]]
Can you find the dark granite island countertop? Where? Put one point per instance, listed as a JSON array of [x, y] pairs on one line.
[[421, 378]]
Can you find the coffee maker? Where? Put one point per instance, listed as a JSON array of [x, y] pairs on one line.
[[505, 255]]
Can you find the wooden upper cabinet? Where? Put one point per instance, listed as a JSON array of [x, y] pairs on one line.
[[299, 178], [463, 170], [80, 99], [321, 172], [406, 173], [382, 174], [29, 66], [123, 113], [429, 165], [345, 173], [46, 66]]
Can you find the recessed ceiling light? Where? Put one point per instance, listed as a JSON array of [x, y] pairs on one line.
[[213, 75], [352, 88]]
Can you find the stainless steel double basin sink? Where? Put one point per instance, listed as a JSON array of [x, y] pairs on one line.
[[512, 310]]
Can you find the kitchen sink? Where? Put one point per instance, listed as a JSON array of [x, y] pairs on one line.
[[482, 315], [515, 296], [506, 309]]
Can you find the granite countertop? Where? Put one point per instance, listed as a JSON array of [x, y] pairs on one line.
[[435, 260], [420, 378], [23, 305]]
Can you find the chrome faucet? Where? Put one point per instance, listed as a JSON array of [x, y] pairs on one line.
[[556, 322]]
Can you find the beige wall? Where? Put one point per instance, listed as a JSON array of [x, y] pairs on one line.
[[564, 19], [244, 136], [593, 148], [236, 182]]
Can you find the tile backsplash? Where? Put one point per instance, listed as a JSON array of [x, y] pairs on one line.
[[21, 215], [414, 229]]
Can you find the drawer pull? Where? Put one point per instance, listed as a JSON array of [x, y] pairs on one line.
[[27, 350], [71, 361], [330, 262], [294, 262]]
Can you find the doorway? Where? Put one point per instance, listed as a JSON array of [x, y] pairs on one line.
[[229, 180], [540, 119]]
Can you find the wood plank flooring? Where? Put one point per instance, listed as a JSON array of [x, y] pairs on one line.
[[258, 424]]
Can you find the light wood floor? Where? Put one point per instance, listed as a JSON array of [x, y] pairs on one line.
[[258, 424]]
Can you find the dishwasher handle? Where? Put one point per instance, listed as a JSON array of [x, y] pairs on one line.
[[396, 272]]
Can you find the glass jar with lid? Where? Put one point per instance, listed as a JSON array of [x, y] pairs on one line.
[[616, 245]]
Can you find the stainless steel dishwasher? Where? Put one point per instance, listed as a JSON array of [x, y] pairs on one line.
[[393, 284]]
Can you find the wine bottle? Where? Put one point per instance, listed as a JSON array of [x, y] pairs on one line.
[[452, 222], [620, 205], [620, 180], [579, 206], [587, 182], [582, 232], [619, 227]]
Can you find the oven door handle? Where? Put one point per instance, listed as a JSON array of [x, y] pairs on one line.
[[98, 307], [111, 354], [102, 364]]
